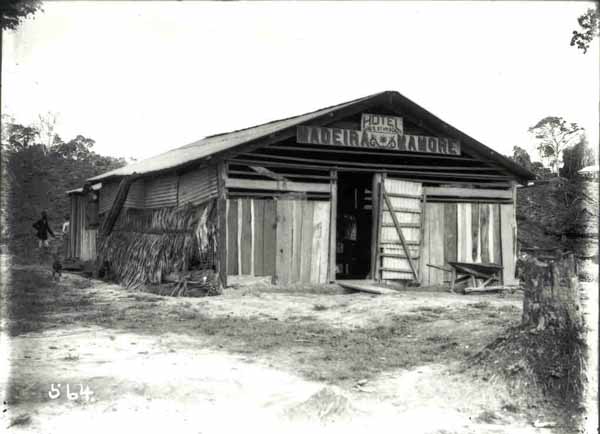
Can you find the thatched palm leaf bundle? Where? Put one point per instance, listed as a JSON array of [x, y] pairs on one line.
[[146, 245]]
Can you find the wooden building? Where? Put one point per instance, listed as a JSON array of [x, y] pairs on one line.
[[377, 187]]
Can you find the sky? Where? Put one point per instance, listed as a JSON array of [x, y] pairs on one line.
[[141, 78]]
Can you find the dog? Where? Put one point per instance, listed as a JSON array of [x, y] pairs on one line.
[[56, 268]]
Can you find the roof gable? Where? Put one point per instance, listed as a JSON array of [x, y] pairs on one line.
[[222, 142]]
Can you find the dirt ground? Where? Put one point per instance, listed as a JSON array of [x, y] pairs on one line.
[[252, 359]]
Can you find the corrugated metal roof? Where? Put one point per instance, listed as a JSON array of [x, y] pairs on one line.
[[218, 143], [94, 187], [590, 169], [213, 144]]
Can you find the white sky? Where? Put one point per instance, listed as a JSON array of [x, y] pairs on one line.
[[141, 78]]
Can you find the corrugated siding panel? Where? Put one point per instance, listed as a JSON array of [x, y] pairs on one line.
[[198, 185], [135, 195], [107, 196], [75, 228], [161, 192], [88, 245]]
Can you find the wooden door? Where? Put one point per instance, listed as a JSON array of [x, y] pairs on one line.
[[302, 241], [400, 232], [285, 238]]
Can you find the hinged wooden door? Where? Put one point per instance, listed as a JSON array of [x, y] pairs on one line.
[[400, 230]]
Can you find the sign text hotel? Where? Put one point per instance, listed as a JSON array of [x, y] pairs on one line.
[[378, 131]]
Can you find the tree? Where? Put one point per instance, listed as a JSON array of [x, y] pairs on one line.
[[554, 135], [12, 12], [19, 137], [78, 148], [576, 158], [521, 157], [590, 24], [46, 125], [540, 170]]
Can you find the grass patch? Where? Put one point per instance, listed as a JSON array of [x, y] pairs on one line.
[[480, 305], [438, 310], [311, 347]]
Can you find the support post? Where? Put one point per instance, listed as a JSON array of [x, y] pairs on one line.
[[375, 211], [221, 262], [332, 224]]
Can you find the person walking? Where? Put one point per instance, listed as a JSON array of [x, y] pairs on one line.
[[66, 229], [43, 229]]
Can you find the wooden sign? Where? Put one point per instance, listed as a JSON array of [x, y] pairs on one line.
[[368, 139], [381, 124]]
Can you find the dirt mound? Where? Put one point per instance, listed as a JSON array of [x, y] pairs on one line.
[[542, 366], [328, 405]]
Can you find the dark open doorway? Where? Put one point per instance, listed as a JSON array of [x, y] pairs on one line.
[[354, 225]]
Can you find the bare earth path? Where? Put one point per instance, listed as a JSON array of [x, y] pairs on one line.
[[251, 360]]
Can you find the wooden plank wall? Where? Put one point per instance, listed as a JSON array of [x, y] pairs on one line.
[[88, 245], [508, 232], [74, 226], [82, 242], [286, 238], [466, 232]]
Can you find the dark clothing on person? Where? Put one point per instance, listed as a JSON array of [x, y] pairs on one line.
[[43, 229]]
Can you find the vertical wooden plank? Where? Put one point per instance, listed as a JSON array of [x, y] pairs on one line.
[[222, 261], [497, 235], [284, 242], [450, 235], [240, 246], [252, 238], [259, 223], [436, 240], [232, 236], [74, 227], [426, 253], [422, 219], [475, 233], [460, 225], [297, 207], [492, 233], [375, 210], [270, 237], [468, 244], [380, 205], [507, 233], [245, 237], [515, 235], [484, 211], [332, 229], [316, 245], [307, 240], [321, 243], [325, 241]]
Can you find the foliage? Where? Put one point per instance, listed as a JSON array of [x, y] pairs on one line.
[[576, 158], [522, 158], [12, 12], [590, 24], [554, 135], [36, 176]]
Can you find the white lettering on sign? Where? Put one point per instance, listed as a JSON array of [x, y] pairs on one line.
[[381, 124], [368, 139]]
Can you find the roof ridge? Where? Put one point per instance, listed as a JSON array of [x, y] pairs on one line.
[[296, 116]]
